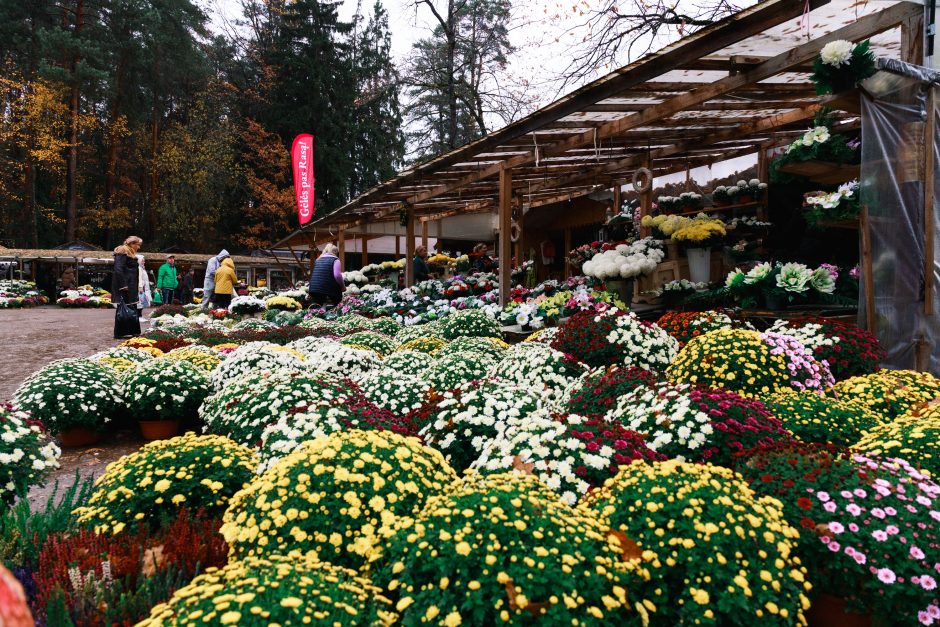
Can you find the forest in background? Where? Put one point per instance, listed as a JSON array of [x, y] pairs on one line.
[[136, 116]]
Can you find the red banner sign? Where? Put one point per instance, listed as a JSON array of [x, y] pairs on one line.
[[301, 153]]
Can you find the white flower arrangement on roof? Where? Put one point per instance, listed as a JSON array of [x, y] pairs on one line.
[[245, 305], [626, 261], [815, 135], [257, 358], [27, 454], [399, 393], [540, 368], [837, 53]]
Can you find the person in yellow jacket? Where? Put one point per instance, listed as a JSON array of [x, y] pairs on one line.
[[225, 281]]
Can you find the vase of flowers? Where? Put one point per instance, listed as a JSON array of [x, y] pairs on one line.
[[620, 266], [700, 264], [841, 65]]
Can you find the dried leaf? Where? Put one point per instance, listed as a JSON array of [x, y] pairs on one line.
[[524, 467], [628, 547]]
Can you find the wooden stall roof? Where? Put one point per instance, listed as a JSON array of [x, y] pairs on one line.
[[88, 256], [731, 89]]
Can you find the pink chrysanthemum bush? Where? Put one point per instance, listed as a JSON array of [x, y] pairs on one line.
[[868, 526]]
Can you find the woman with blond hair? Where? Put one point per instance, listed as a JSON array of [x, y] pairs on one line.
[[326, 279], [125, 286]]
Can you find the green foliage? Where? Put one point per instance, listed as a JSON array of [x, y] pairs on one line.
[[23, 532]]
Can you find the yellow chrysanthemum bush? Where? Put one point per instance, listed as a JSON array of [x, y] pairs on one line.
[[723, 556], [150, 486], [890, 393], [812, 417], [258, 592], [200, 356], [913, 437], [332, 494], [504, 549], [749, 362], [429, 345]]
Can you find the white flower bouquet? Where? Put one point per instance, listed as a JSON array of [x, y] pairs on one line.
[[626, 261]]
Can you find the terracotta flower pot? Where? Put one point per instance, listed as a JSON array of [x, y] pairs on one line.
[[829, 611], [78, 436], [158, 429]]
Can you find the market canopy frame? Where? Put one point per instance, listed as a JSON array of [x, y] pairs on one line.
[[739, 87]]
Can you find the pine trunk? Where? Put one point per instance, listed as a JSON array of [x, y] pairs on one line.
[[71, 175]]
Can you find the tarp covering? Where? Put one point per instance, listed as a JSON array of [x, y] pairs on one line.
[[893, 182]]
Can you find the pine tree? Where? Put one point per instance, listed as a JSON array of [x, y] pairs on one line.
[[451, 75], [379, 146]]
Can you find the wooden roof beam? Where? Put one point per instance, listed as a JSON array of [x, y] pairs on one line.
[[865, 27], [746, 23]]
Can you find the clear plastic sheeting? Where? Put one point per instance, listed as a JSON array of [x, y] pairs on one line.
[[894, 178]]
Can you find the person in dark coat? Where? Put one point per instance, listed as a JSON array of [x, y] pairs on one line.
[[124, 282], [479, 260], [186, 297], [326, 279], [422, 271]]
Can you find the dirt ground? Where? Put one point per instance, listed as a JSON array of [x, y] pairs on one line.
[[31, 338]]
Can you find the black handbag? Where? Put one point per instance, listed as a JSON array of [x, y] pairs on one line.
[[126, 321]]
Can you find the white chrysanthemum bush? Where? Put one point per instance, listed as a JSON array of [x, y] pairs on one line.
[[27, 453]]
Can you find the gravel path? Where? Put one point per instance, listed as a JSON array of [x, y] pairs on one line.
[[31, 338]]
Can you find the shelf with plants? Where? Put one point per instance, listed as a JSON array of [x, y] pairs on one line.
[[823, 172], [758, 204]]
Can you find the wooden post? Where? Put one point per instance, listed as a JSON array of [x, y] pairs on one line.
[[568, 240], [341, 244], [912, 40], [397, 247], [868, 279], [617, 200], [365, 250], [646, 200], [410, 247], [505, 224], [929, 198], [424, 234]]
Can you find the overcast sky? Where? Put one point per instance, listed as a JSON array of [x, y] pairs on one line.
[[543, 32]]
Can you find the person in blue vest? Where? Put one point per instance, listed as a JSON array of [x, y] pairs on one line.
[[326, 278]]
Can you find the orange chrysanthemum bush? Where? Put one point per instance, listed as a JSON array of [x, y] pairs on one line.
[[723, 556], [333, 494], [686, 325], [504, 549]]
